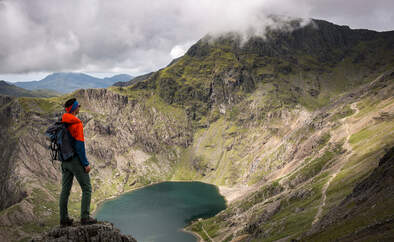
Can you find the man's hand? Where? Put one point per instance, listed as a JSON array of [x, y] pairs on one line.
[[87, 169]]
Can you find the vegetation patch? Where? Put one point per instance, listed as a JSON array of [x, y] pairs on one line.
[[312, 168], [296, 214], [372, 137], [345, 112], [323, 140], [208, 226], [356, 169], [314, 103], [40, 105], [363, 218], [263, 194]]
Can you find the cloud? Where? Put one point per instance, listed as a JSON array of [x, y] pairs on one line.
[[180, 50], [139, 36]]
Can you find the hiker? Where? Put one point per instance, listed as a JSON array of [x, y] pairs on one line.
[[77, 166]]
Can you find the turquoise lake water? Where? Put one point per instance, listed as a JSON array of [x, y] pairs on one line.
[[159, 212]]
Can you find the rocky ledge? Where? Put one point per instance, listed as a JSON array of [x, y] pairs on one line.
[[102, 231]]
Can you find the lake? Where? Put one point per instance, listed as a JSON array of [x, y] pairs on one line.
[[160, 212]]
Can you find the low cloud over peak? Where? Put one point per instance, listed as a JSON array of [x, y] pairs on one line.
[[139, 36]]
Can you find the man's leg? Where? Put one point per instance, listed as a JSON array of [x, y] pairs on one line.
[[67, 182], [83, 179]]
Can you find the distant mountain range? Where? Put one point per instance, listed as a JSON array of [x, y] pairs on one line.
[[14, 91], [68, 82]]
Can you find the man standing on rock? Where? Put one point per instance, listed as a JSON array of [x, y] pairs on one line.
[[77, 166]]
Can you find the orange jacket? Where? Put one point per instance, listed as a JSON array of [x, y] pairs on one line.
[[74, 126], [76, 130]]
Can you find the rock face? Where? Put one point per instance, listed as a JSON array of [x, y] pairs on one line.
[[102, 231], [10, 192]]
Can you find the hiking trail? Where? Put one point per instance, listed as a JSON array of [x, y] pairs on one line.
[[338, 168], [206, 233]]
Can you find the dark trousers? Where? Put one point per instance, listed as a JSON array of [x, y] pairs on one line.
[[69, 170]]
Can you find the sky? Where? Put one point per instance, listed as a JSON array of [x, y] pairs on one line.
[[104, 38]]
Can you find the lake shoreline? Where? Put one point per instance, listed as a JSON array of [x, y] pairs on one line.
[[194, 234], [223, 191]]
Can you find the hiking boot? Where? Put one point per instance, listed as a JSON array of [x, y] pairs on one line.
[[88, 220], [66, 222]]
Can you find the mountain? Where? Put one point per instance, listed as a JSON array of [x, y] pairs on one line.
[[295, 129], [12, 90], [69, 82]]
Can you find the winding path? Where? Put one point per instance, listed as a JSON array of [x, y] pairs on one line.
[[206, 233], [338, 168]]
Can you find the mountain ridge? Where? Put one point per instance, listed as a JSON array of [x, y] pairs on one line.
[[66, 82]]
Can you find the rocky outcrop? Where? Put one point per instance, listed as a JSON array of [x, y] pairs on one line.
[[10, 189], [102, 231], [5, 99]]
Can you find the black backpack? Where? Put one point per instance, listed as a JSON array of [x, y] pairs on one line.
[[61, 146]]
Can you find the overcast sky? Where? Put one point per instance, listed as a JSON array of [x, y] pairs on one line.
[[104, 38]]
